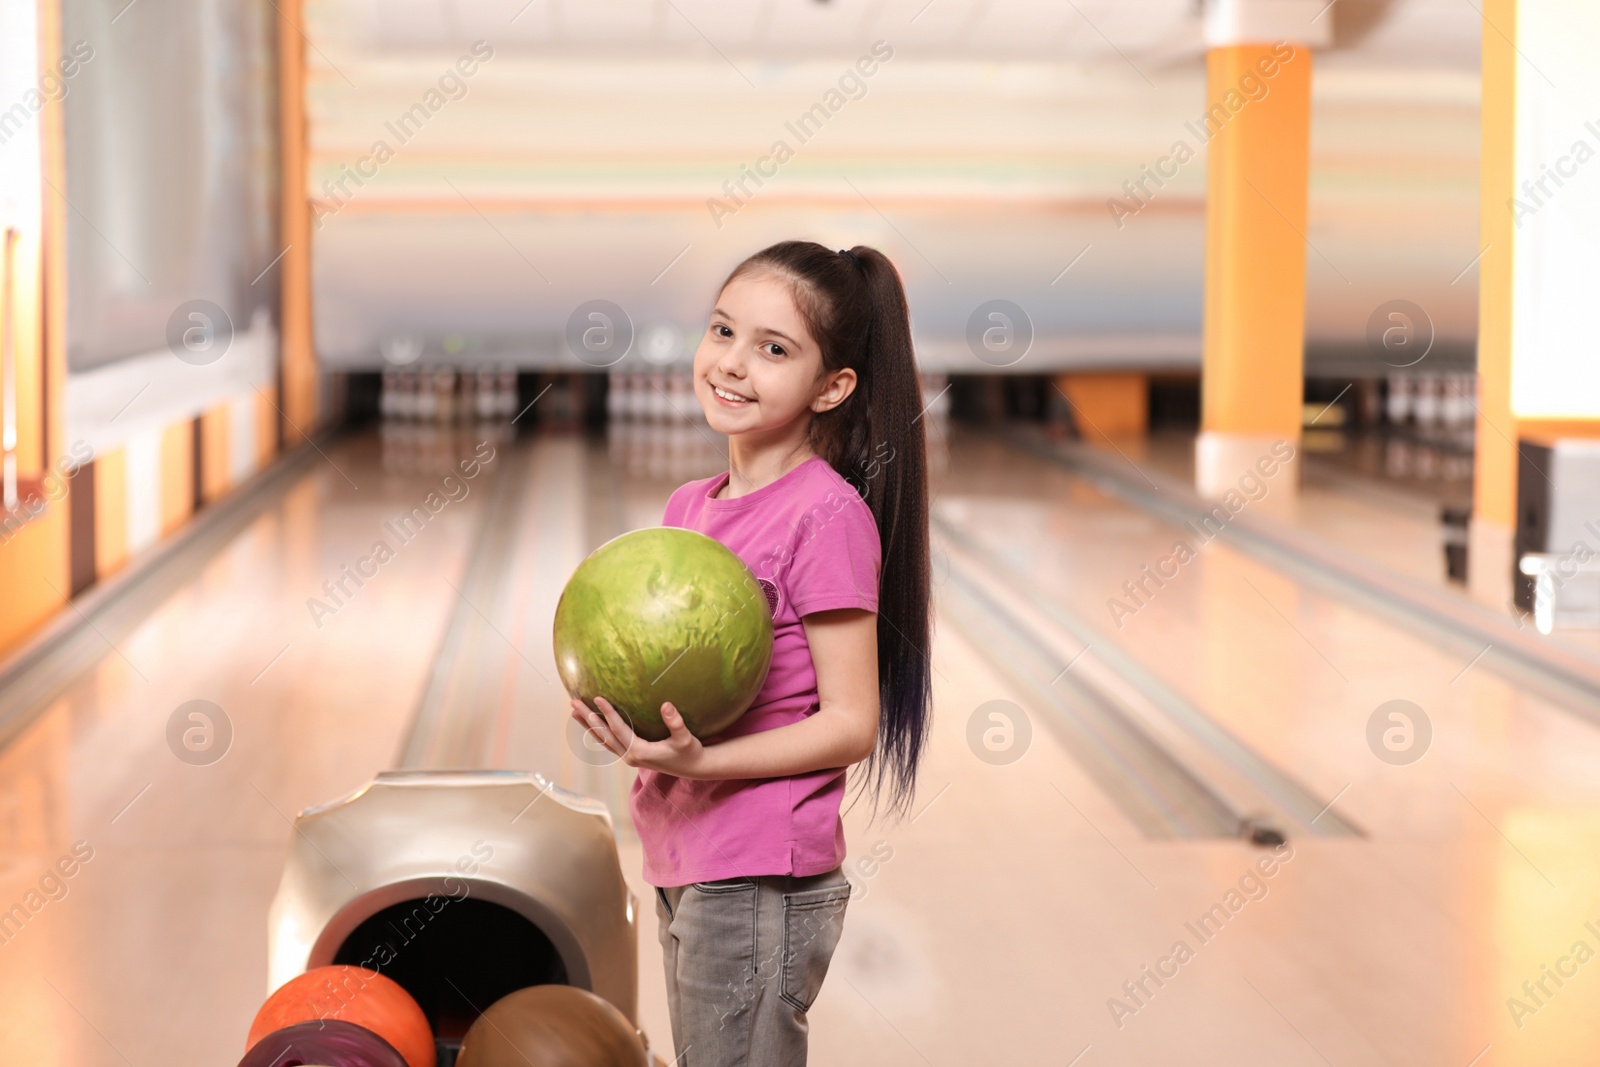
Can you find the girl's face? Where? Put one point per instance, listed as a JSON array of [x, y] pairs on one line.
[[758, 369]]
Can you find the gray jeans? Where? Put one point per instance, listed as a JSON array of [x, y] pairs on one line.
[[745, 959]]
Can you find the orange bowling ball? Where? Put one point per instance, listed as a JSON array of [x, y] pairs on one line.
[[353, 995]]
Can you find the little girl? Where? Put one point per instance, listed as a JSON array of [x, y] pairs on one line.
[[807, 368]]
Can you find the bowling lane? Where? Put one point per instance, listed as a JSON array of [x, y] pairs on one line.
[[1378, 498], [205, 857], [996, 924], [1473, 859], [154, 949], [1292, 668], [1021, 891]]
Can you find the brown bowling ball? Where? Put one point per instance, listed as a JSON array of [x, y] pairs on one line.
[[552, 1026]]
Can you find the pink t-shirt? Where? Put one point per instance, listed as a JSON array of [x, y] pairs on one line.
[[813, 544]]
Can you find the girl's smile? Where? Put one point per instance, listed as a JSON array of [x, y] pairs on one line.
[[730, 398]]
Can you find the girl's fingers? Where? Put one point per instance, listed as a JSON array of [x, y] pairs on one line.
[[612, 717], [604, 734], [618, 726], [606, 740], [586, 717], [675, 724]]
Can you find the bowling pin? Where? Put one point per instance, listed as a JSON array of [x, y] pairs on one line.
[[1398, 406], [633, 407], [426, 401], [483, 395], [490, 387], [507, 398], [1459, 400], [445, 383], [405, 407], [1426, 404]]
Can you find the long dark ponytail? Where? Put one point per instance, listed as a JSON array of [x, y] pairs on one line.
[[855, 307]]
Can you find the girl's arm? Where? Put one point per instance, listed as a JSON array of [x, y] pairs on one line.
[[842, 731]]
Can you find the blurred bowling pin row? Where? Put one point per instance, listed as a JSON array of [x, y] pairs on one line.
[[444, 395], [656, 429], [1432, 400]]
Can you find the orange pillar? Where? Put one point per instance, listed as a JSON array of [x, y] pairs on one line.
[[1258, 129], [1494, 493], [298, 392]]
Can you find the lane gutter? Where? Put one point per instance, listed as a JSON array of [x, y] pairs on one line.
[[1563, 676]]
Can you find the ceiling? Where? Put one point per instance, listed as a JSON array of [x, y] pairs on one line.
[[749, 34], [589, 152]]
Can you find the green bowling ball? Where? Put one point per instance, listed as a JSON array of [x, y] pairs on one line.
[[665, 614]]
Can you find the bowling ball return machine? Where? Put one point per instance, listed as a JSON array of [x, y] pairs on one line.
[[462, 886]]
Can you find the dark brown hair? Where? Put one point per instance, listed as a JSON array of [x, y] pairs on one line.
[[855, 307]]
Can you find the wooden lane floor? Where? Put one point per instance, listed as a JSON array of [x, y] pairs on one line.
[[154, 950], [1407, 946], [1022, 892], [1018, 915]]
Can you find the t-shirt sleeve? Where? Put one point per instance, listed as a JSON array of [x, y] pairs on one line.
[[678, 504], [837, 557]]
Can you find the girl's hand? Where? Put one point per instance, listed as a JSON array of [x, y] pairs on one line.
[[681, 753]]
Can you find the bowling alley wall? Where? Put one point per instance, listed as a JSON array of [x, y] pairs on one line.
[[400, 212], [140, 298], [482, 184]]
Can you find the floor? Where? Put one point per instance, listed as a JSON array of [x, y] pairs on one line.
[[1355, 482], [1016, 917], [1352, 482]]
